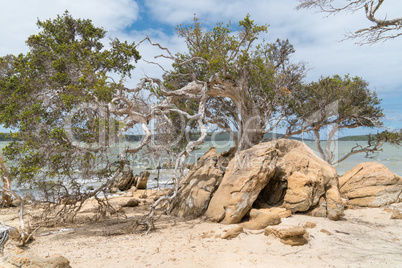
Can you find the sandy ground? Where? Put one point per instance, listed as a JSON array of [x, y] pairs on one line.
[[364, 237]]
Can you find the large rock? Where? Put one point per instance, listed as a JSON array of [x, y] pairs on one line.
[[20, 258], [199, 184], [142, 180], [301, 179], [282, 173], [246, 175], [126, 181], [371, 185]]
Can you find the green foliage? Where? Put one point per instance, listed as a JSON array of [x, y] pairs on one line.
[[393, 137], [355, 138], [347, 102], [247, 76], [56, 94]]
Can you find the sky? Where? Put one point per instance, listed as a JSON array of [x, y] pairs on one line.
[[315, 36]]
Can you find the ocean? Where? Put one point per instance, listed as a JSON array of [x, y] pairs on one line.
[[390, 156]]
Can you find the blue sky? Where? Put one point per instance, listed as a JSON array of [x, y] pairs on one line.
[[315, 37]]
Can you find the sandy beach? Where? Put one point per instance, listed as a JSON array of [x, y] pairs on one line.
[[364, 237]]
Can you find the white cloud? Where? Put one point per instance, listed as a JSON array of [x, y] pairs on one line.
[[18, 17], [316, 38]]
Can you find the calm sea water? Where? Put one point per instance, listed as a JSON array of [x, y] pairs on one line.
[[391, 157]]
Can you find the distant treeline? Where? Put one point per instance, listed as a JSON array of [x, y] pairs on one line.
[[355, 138]]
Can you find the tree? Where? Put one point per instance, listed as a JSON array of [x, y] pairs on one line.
[[56, 96], [72, 115], [382, 30], [246, 82], [337, 103]]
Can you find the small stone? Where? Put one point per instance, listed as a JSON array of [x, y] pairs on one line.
[[232, 233], [113, 190], [325, 232], [261, 218], [310, 225], [396, 215], [321, 209], [20, 258], [293, 236], [132, 203]]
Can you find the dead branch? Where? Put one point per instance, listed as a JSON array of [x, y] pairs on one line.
[[382, 30]]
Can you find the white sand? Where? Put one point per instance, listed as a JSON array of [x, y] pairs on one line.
[[363, 238]]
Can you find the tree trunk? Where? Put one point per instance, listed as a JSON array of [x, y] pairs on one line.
[[250, 131]]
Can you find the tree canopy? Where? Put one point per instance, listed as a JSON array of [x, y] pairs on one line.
[[336, 103], [247, 79]]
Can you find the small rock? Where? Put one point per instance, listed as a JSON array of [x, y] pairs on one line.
[[325, 232], [113, 190], [20, 258], [294, 236], [232, 233], [396, 215], [208, 234], [132, 203], [321, 209], [310, 225], [261, 218], [132, 189]]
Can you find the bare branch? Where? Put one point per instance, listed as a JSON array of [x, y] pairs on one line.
[[383, 30]]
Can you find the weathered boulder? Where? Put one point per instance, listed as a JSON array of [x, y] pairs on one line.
[[261, 218], [142, 180], [20, 258], [301, 179], [282, 173], [371, 185], [294, 236], [126, 181], [199, 184], [246, 175]]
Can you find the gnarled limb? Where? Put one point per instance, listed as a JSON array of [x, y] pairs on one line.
[[383, 30]]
